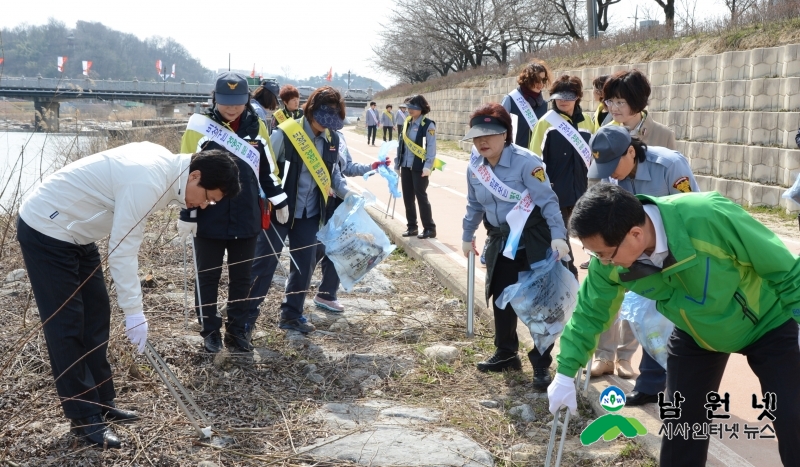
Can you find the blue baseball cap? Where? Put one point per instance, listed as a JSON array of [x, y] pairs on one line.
[[231, 89], [608, 145]]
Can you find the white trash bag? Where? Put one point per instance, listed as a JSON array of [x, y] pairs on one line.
[[649, 326], [353, 241], [793, 193], [544, 299]]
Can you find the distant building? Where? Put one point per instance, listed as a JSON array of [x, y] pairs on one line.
[[647, 24]]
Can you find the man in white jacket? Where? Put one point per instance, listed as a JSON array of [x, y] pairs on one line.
[[110, 193]]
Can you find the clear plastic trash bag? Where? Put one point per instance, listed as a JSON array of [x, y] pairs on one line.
[[387, 173], [793, 193], [649, 326], [353, 241], [544, 299]]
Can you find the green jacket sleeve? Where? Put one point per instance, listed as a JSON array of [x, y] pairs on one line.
[[753, 244], [599, 300]]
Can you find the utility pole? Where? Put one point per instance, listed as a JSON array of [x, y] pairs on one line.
[[591, 16], [635, 18], [348, 80]]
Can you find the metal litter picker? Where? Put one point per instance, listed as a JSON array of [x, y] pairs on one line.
[[551, 445], [196, 416], [471, 292]]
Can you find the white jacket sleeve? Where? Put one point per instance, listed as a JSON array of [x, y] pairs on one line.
[[131, 208]]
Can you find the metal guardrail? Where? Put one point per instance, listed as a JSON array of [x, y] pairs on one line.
[[89, 85]]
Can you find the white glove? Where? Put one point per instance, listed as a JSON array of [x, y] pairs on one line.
[[426, 172], [466, 247], [562, 392], [186, 230], [136, 330], [350, 193], [561, 247], [282, 214]]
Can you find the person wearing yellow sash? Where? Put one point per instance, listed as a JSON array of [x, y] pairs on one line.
[[601, 113], [307, 150], [416, 154], [290, 97], [402, 113], [231, 225], [565, 166], [497, 169], [387, 121]]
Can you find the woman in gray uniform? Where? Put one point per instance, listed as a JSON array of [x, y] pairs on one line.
[[499, 172]]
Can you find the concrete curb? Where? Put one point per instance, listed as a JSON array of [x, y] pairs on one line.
[[453, 276]]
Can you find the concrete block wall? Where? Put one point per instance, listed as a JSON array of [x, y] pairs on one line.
[[735, 115]]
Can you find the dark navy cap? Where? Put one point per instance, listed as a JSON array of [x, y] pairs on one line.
[[271, 85], [231, 89], [608, 145]]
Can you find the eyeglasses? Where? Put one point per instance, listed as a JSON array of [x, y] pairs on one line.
[[617, 105], [610, 258], [210, 202]]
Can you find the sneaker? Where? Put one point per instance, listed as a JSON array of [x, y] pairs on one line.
[[297, 325], [500, 361], [584, 265], [541, 379], [330, 305], [483, 254]]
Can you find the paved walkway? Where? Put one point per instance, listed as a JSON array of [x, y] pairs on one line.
[[447, 193]]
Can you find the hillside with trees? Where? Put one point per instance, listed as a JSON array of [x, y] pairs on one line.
[[32, 50]]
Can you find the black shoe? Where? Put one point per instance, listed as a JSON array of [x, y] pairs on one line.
[[212, 343], [584, 265], [499, 362], [112, 414], [639, 398], [541, 379], [410, 233], [237, 343], [93, 430], [427, 233], [297, 325]]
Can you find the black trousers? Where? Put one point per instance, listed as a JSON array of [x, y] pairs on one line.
[[414, 185], [388, 128], [652, 376], [400, 135], [330, 278], [302, 233], [76, 336], [506, 272], [566, 213], [210, 252], [372, 131], [694, 372]]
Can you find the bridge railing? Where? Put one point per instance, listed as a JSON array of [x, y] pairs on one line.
[[106, 85]]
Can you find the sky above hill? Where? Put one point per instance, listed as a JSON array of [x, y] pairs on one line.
[[307, 41]]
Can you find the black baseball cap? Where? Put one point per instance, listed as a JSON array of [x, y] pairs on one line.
[[231, 89], [484, 125], [271, 85]]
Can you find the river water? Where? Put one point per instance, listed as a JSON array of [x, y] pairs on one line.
[[26, 158]]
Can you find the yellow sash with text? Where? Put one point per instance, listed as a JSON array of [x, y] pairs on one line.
[[280, 116], [308, 152], [416, 149]]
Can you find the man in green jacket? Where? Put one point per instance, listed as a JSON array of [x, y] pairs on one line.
[[726, 281]]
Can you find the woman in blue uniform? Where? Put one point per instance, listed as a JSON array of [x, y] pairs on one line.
[[497, 162]]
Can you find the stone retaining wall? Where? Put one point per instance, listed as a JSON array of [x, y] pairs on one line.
[[735, 115]]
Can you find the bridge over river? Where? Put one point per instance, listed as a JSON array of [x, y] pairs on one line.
[[47, 93]]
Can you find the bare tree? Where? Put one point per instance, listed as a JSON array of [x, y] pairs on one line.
[[602, 13], [669, 12], [738, 8], [686, 15]]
